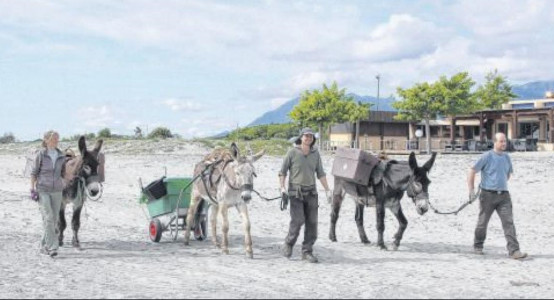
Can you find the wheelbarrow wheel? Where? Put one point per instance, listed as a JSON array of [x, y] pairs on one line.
[[155, 230], [200, 232]]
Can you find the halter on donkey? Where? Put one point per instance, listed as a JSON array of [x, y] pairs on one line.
[[82, 180]]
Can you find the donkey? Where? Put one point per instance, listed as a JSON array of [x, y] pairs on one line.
[[389, 181], [228, 182], [81, 180]]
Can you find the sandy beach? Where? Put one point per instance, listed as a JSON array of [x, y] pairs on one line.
[[118, 260]]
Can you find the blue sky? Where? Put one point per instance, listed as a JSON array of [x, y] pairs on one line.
[[201, 67]]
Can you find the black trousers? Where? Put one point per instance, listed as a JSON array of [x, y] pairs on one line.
[[303, 212], [502, 204]]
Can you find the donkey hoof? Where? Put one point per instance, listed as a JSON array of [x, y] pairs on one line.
[[394, 247], [383, 247], [249, 254], [60, 243], [226, 251], [333, 237], [187, 243], [366, 241]]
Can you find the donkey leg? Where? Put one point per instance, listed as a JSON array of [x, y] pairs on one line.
[[243, 209], [224, 212], [75, 225], [380, 210], [359, 217], [337, 203], [402, 224], [62, 225], [190, 217], [214, 211]]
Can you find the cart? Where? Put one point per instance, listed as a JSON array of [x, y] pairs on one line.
[[168, 200]]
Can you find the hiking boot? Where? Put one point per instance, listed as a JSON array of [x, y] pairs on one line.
[[309, 258], [518, 255], [287, 250], [478, 251], [53, 253]]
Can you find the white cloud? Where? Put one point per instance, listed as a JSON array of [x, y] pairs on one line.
[[182, 105], [97, 117], [402, 37]]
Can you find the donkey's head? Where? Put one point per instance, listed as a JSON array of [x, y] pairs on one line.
[[418, 184], [244, 171], [89, 166]]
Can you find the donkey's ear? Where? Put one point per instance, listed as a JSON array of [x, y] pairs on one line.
[[429, 164], [235, 150], [412, 161], [258, 155], [82, 145], [98, 145]]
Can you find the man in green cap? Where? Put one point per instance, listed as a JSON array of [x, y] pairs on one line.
[[303, 163]]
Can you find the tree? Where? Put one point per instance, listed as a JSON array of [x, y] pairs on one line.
[[7, 138], [358, 112], [160, 132], [495, 92], [419, 103], [455, 98], [322, 108], [138, 133], [105, 133]]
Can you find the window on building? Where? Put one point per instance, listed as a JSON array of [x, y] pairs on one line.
[[502, 127], [528, 130]]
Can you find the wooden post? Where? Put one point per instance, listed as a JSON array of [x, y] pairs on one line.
[[542, 129], [551, 125], [452, 130], [515, 130], [481, 127]]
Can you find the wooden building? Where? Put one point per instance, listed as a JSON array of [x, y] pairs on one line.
[[522, 121]]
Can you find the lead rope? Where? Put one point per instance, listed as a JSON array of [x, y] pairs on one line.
[[455, 212], [264, 198]]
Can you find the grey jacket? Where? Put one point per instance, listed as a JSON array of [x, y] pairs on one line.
[[49, 176]]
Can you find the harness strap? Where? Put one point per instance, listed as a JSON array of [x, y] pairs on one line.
[[227, 178], [201, 175]]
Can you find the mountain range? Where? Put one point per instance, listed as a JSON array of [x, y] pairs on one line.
[[531, 90]]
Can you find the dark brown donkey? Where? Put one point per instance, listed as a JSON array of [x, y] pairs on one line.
[[82, 179], [389, 180]]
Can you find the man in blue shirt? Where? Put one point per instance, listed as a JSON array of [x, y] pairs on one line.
[[496, 168]]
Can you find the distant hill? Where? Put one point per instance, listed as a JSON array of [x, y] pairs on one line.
[[280, 114], [533, 90]]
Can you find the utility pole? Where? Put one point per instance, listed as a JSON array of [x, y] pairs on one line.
[[378, 77]]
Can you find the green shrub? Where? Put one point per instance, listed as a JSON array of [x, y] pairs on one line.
[[160, 132], [7, 138], [105, 133]]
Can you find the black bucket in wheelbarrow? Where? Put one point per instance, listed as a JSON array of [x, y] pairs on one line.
[[155, 190]]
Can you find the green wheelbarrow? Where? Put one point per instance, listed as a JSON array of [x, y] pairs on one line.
[[168, 200]]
